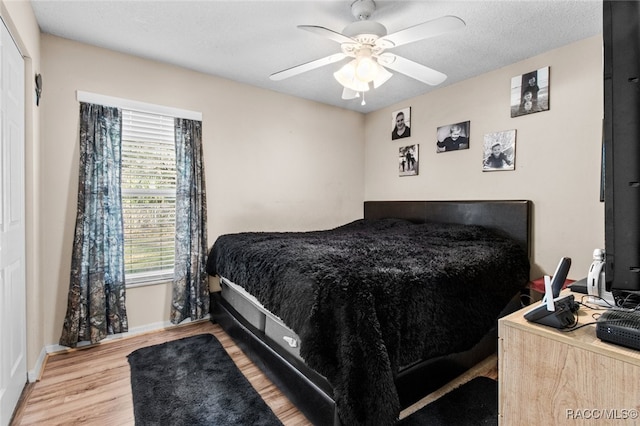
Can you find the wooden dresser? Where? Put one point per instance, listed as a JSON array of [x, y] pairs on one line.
[[551, 377]]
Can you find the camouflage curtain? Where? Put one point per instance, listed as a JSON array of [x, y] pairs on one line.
[[96, 303], [190, 282]]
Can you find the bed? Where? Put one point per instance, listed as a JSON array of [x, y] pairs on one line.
[[357, 322]]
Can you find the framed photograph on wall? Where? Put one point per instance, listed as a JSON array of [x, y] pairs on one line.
[[453, 137], [530, 92], [499, 151], [408, 160], [401, 124]]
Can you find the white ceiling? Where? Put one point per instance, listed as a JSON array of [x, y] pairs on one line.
[[246, 41]]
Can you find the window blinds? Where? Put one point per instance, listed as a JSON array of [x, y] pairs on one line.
[[148, 195]]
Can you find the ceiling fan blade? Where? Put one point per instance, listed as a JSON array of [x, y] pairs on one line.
[[427, 29], [308, 66], [412, 69], [326, 32]]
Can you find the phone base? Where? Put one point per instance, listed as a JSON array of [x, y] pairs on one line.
[[562, 317]]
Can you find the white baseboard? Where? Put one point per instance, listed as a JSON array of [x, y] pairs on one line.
[[34, 374]]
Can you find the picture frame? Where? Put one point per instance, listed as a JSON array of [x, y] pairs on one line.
[[401, 124], [453, 137], [408, 160], [499, 153], [530, 92]]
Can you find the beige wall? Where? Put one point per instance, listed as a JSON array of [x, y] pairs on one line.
[[273, 162], [557, 152]]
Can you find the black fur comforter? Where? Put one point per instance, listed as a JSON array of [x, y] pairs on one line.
[[370, 296]]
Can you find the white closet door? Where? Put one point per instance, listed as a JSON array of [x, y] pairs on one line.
[[13, 331]]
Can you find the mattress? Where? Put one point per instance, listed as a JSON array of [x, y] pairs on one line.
[[260, 318]]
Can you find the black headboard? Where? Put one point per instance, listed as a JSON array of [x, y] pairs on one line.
[[513, 217]]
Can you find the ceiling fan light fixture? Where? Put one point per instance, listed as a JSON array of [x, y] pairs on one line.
[[382, 77], [366, 68], [348, 94], [346, 76]]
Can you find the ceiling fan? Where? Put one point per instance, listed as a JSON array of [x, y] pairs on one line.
[[367, 42]]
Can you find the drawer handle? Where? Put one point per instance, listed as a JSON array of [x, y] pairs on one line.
[[291, 341]]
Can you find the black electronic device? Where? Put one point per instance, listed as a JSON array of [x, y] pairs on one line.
[[579, 286], [562, 315], [621, 131], [560, 276], [620, 327], [555, 311]]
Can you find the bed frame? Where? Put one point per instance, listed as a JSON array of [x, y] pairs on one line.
[[310, 391]]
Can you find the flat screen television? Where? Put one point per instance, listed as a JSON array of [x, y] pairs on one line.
[[621, 131]]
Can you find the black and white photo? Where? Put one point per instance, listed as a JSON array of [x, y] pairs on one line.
[[453, 137], [401, 124], [499, 151], [530, 92], [408, 160]]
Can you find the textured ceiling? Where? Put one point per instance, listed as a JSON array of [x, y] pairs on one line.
[[246, 41]]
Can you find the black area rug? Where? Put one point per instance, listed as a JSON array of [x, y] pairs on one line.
[[193, 381], [474, 403]]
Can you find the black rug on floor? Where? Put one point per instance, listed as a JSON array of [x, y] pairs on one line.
[[473, 403], [193, 381]]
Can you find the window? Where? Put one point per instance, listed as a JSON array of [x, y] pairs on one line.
[[148, 185], [148, 196]]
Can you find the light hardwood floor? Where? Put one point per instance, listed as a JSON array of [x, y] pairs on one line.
[[91, 386]]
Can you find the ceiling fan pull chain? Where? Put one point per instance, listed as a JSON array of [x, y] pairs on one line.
[[363, 102]]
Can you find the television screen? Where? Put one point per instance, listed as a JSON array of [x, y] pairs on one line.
[[621, 34]]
